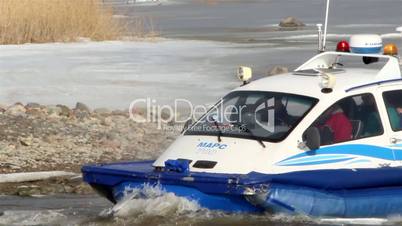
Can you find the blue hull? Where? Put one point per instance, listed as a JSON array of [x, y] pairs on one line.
[[334, 193]]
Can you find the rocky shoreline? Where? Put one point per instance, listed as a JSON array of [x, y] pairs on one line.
[[35, 137]]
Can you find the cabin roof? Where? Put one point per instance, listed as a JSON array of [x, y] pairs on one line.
[[347, 78]]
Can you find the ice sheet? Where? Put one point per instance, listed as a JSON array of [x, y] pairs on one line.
[[112, 74]]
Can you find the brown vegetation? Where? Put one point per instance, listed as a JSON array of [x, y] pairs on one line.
[[28, 21]]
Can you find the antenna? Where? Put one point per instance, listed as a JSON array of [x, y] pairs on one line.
[[319, 28], [324, 42], [400, 30]]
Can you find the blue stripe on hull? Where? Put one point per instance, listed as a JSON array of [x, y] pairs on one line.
[[341, 153]]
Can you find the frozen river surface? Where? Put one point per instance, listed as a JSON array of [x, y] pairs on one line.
[[205, 42]]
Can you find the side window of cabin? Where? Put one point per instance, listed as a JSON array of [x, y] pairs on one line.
[[393, 103], [351, 118]]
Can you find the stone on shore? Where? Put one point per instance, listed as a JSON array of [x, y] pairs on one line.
[[53, 111], [26, 141], [16, 110], [82, 107], [64, 110], [35, 137], [276, 70], [3, 109], [291, 22], [102, 111], [33, 106]]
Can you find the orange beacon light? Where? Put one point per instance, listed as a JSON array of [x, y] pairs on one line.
[[390, 49]]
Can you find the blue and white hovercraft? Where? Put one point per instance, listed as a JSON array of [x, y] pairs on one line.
[[323, 140]]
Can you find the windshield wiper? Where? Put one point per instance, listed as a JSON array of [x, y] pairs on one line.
[[258, 139], [245, 129], [218, 128]]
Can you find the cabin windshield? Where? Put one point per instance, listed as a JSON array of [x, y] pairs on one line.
[[267, 116]]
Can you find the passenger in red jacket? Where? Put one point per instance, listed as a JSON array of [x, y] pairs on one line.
[[340, 125]]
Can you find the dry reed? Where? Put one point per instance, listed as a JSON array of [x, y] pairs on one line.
[[37, 21]]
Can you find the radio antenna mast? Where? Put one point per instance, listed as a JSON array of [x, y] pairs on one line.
[[324, 42]]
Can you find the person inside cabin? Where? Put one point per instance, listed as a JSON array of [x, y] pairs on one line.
[[394, 110], [281, 114], [370, 117], [339, 123]]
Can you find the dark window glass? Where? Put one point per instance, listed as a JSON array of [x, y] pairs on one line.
[[393, 103], [351, 118], [268, 116]]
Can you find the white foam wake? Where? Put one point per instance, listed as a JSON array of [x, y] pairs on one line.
[[151, 201], [31, 217]]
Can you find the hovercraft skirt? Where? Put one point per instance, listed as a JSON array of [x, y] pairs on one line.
[[375, 192]]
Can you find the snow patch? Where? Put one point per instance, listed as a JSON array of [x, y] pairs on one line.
[[32, 176], [354, 221]]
